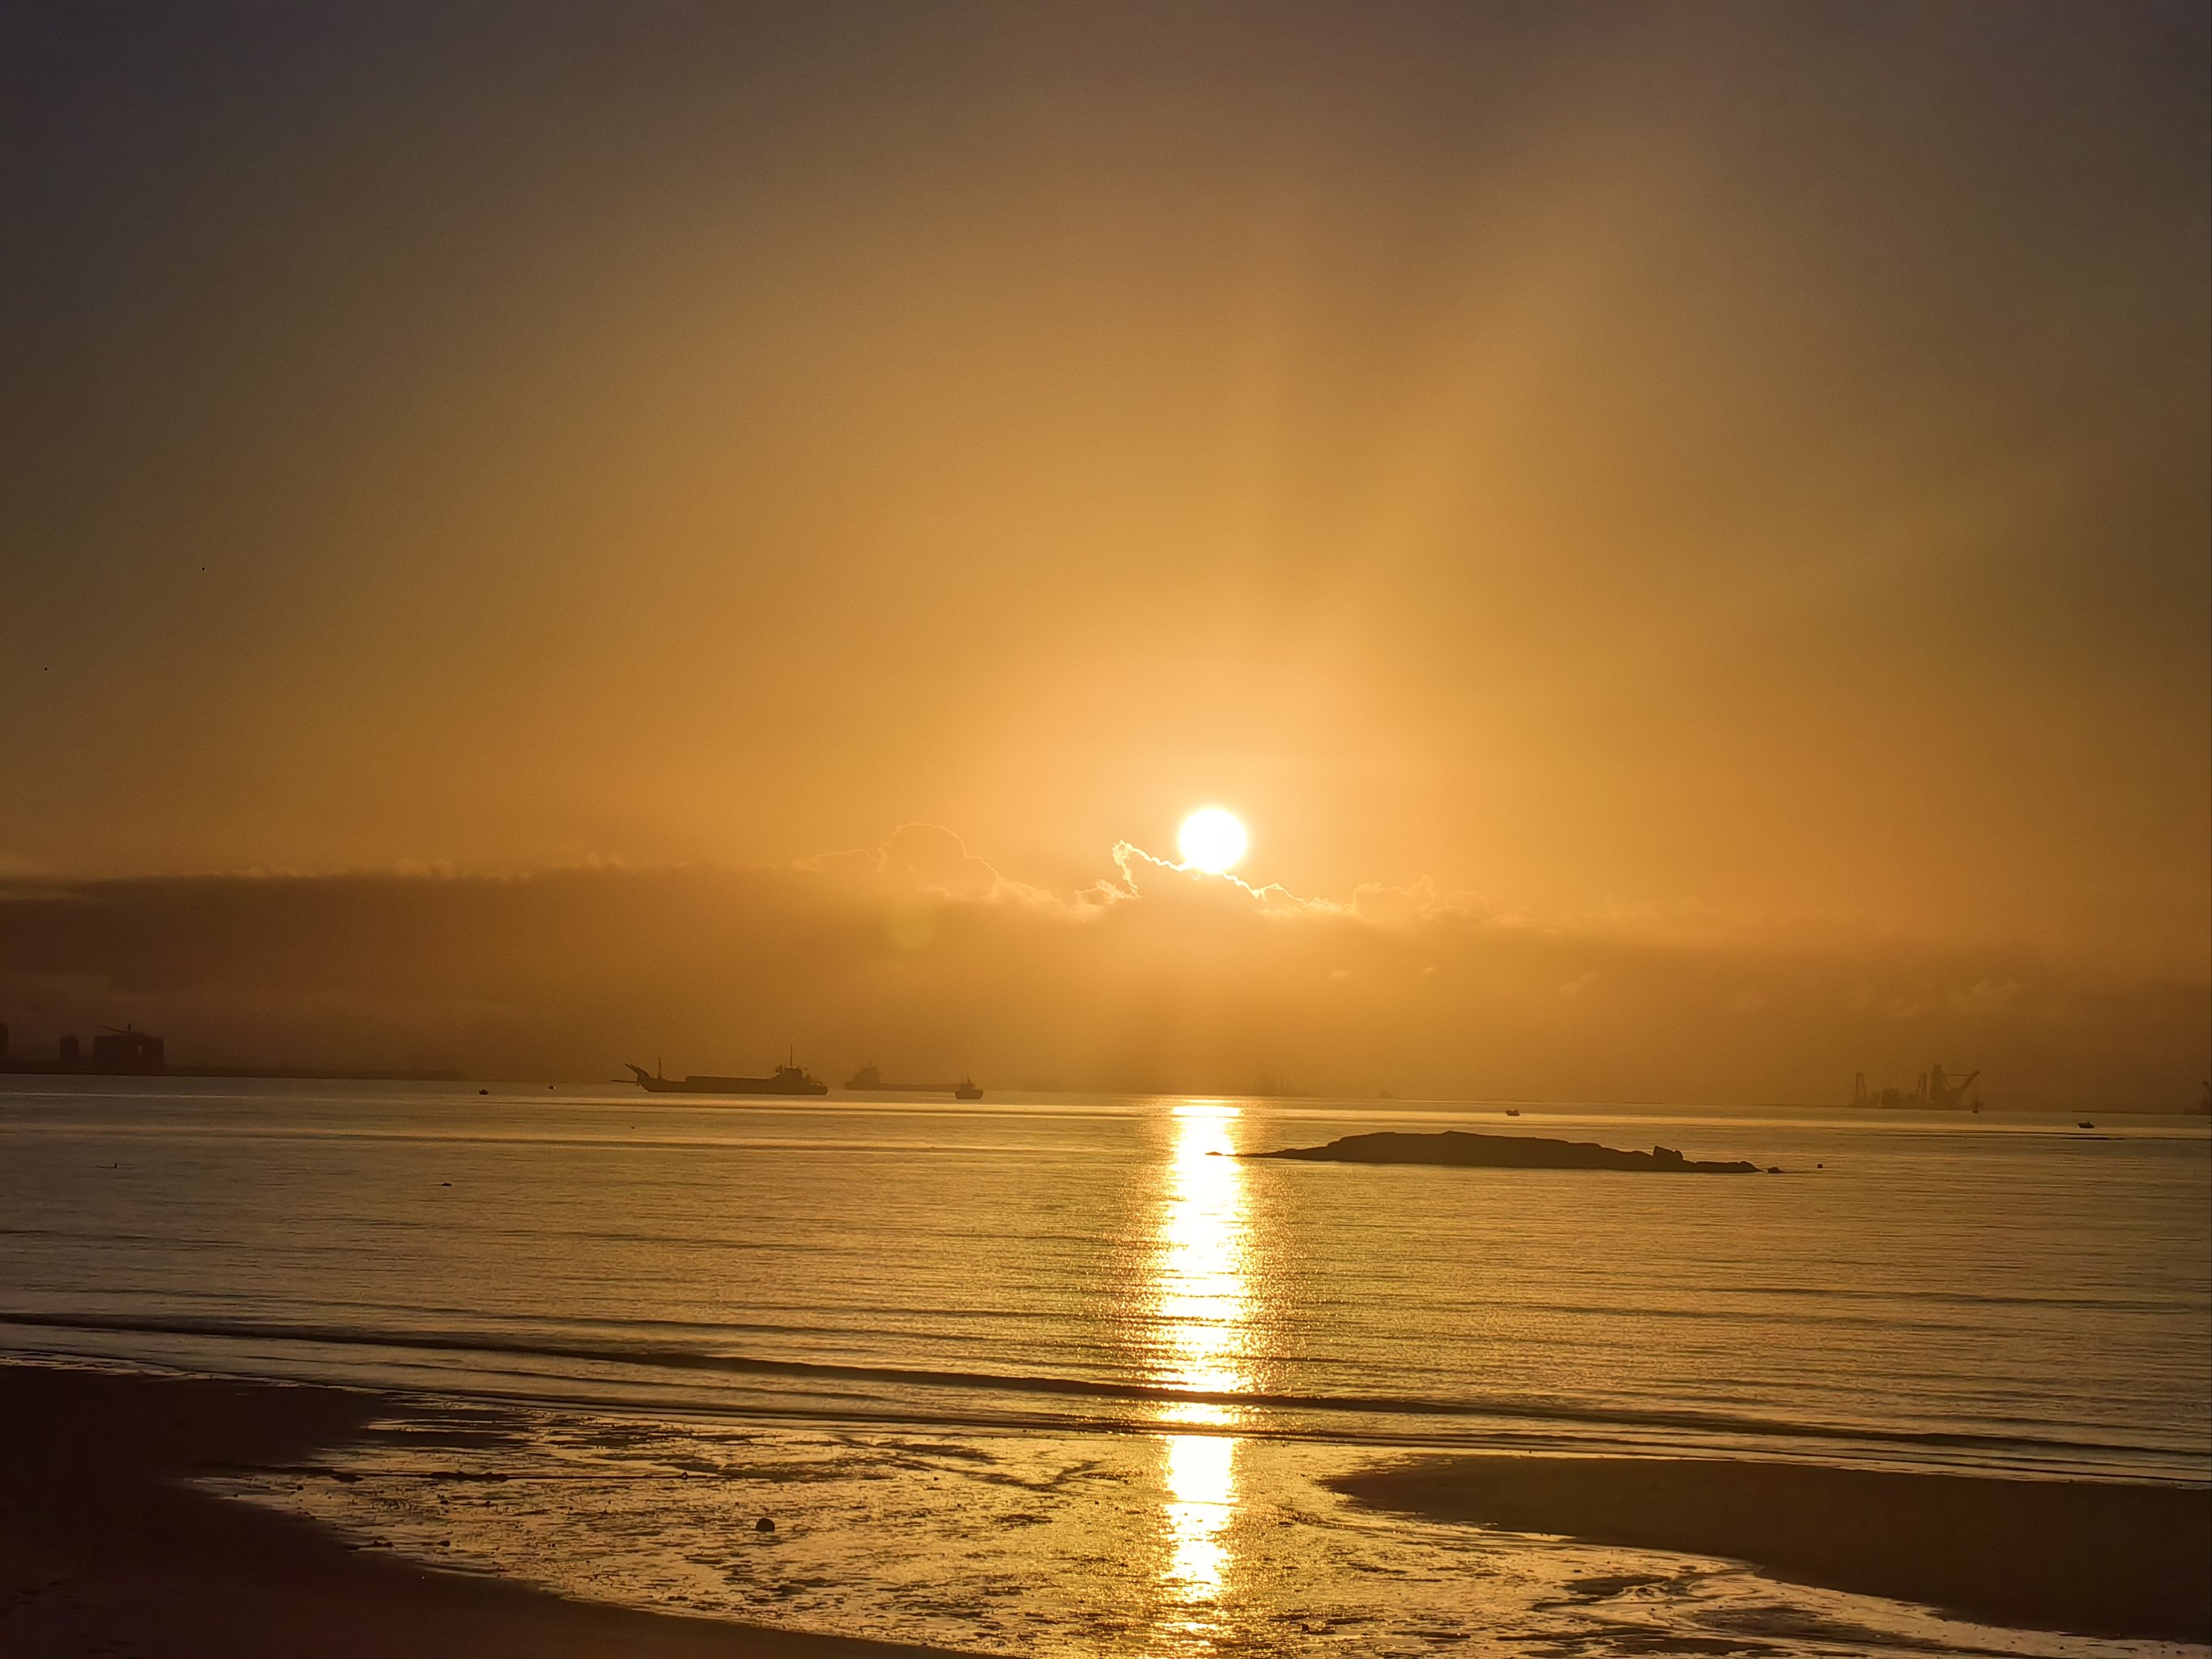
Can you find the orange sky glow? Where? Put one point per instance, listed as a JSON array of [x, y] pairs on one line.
[[1682, 532]]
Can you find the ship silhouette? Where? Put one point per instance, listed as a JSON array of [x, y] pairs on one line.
[[869, 1080], [787, 1079]]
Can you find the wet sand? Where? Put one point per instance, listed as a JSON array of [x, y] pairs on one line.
[[102, 1552], [2086, 1557]]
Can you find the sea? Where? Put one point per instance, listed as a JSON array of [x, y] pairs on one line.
[[1062, 1375]]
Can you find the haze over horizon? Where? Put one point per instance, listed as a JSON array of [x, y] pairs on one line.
[[920, 956], [1684, 532]]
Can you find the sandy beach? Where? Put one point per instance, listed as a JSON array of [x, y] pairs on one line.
[[2092, 1557], [103, 1552]]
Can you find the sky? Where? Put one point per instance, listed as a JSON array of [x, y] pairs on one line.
[[1721, 489]]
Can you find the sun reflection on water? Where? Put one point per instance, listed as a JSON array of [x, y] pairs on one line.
[[1201, 1302]]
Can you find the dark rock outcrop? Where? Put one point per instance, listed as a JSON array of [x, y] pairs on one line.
[[1463, 1149]]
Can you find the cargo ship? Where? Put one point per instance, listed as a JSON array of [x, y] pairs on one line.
[[787, 1080]]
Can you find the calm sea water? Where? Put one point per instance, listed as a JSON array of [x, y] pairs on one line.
[[1056, 1375]]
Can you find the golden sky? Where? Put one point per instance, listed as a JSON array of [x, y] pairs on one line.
[[1662, 469]]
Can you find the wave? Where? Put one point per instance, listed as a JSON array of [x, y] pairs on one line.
[[695, 1362]]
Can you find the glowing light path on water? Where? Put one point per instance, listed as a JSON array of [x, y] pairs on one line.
[[1203, 1304]]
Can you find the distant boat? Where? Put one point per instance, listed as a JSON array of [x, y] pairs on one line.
[[1512, 1111], [787, 1080], [868, 1080], [2085, 1124]]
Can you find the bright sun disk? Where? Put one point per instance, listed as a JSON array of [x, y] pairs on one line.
[[1212, 839]]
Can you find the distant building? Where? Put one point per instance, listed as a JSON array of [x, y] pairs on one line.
[[127, 1050], [65, 1051]]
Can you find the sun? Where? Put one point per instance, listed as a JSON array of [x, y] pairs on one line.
[[1212, 839]]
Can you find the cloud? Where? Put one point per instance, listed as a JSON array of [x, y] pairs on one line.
[[927, 861], [1147, 875], [918, 954]]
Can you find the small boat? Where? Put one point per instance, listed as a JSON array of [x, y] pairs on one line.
[[2085, 1124], [869, 1080], [1512, 1111]]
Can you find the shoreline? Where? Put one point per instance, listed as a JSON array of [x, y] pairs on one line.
[[2087, 1558], [104, 1550]]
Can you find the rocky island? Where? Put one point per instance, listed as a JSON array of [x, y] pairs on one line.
[[1466, 1150]]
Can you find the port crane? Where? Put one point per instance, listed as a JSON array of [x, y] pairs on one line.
[[1935, 1089], [1941, 1091]]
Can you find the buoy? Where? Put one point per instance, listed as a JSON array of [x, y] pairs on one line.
[[764, 1525]]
